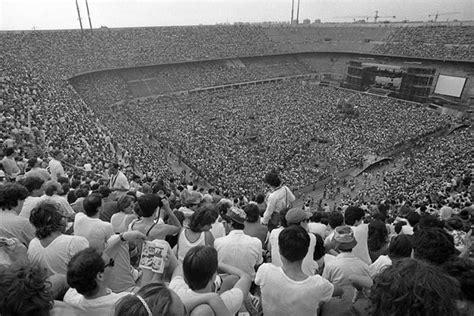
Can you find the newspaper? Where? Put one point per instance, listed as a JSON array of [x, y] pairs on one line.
[[153, 255]]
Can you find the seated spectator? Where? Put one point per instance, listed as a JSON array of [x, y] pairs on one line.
[[153, 209], [88, 292], [377, 240], [36, 171], [413, 287], [197, 274], [52, 193], [25, 290], [9, 164], [335, 219], [433, 245], [121, 220], [78, 205], [413, 218], [353, 217], [252, 223], [198, 232], [109, 206], [238, 249], [89, 225], [12, 197], [12, 252], [320, 255], [315, 226], [157, 299], [463, 271], [399, 248], [35, 188], [52, 249], [288, 290], [346, 264]]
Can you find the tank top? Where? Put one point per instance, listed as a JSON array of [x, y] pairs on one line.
[[184, 245]]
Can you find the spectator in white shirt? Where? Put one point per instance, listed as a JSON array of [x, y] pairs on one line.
[[35, 188], [353, 217], [237, 249], [279, 199], [287, 290], [55, 167], [118, 181]]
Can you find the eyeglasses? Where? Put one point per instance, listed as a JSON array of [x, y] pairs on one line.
[[111, 263]]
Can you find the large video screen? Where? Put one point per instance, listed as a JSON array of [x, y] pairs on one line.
[[449, 85]]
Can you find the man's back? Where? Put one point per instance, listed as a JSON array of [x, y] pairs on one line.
[[97, 232], [104, 305], [239, 250], [345, 265], [283, 296]]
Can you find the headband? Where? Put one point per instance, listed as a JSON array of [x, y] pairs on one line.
[[144, 304]]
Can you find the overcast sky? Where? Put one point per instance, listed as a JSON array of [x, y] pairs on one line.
[[59, 14]]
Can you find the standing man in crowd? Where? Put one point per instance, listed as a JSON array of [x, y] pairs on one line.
[[280, 198], [118, 181], [55, 167]]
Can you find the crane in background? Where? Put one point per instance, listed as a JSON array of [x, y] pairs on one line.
[[367, 17], [436, 15]]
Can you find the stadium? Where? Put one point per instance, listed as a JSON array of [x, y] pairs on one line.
[[368, 116]]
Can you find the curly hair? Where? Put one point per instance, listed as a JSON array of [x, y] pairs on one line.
[[24, 291], [46, 217], [412, 287], [10, 194], [433, 245], [157, 296], [124, 201], [378, 235], [463, 271]]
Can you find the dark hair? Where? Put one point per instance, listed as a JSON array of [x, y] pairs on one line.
[[75, 183], [260, 198], [202, 217], [82, 271], [463, 271], [400, 247], [319, 249], [316, 218], [81, 193], [398, 226], [9, 151], [413, 218], [353, 214], [433, 245], [124, 201], [24, 291], [429, 221], [10, 194], [253, 212], [199, 266], [412, 287], [293, 242], [157, 296], [272, 179], [46, 217], [104, 191], [92, 204], [148, 204], [335, 219], [378, 235], [32, 183]]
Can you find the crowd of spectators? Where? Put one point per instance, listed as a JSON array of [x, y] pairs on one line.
[[288, 126], [442, 42]]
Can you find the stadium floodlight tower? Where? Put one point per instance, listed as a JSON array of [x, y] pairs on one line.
[[79, 17]]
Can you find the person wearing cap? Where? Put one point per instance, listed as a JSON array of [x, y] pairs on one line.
[[55, 167], [36, 171], [237, 249], [294, 217], [346, 264], [287, 290]]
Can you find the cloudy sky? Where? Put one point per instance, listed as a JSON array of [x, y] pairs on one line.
[[59, 14]]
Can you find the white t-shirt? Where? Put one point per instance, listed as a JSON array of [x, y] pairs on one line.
[[240, 251], [317, 228], [309, 266], [232, 298], [361, 250], [104, 305], [284, 296], [56, 169], [29, 204], [56, 256], [379, 265], [96, 231]]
